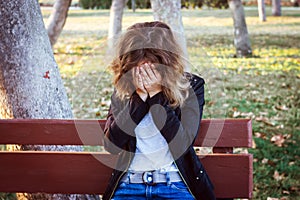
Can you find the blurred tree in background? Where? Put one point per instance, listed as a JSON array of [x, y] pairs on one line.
[[57, 19], [115, 21]]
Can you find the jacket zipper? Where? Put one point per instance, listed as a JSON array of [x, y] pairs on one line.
[[120, 177], [184, 180]]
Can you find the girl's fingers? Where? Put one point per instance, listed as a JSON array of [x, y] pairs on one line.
[[150, 72], [156, 73], [149, 75], [144, 74], [137, 73], [153, 73], [137, 77], [140, 79]]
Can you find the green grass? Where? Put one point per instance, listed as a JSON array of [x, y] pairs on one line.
[[264, 88]]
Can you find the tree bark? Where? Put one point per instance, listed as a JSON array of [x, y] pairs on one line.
[[30, 83], [276, 7], [241, 36], [261, 10], [169, 12], [115, 21], [57, 19]]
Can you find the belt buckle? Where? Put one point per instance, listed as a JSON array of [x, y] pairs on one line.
[[148, 178]]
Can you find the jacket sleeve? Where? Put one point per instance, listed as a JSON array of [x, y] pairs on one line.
[[122, 118], [179, 131]]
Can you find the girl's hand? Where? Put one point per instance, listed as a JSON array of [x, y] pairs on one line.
[[140, 89], [150, 78]]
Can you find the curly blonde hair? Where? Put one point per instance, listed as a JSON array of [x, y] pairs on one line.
[[150, 42]]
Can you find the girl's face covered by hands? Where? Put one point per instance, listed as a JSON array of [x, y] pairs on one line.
[[147, 79]]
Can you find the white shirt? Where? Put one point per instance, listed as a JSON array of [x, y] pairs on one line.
[[152, 150]]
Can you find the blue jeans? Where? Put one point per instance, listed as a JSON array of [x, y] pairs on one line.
[[140, 191]]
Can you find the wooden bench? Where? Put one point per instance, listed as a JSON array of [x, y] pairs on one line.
[[85, 173]]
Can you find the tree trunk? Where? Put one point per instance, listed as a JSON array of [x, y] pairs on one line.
[[133, 5], [241, 36], [276, 7], [261, 10], [169, 12], [57, 19], [30, 83], [115, 21]]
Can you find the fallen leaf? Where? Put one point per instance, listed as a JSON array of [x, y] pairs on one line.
[[283, 198], [259, 119], [247, 115], [278, 176], [260, 135], [249, 85], [285, 192], [263, 113], [211, 103], [265, 120], [281, 126], [287, 136], [271, 163], [278, 140], [271, 198], [253, 144], [71, 61], [236, 114], [291, 163], [264, 161], [293, 188], [98, 113], [283, 108]]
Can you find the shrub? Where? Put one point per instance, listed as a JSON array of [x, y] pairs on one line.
[[95, 4], [209, 3], [143, 4]]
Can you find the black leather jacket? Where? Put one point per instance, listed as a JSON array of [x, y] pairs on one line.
[[178, 126]]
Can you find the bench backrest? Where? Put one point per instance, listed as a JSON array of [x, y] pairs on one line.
[[88, 172]]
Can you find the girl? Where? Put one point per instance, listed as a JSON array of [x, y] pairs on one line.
[[154, 119]]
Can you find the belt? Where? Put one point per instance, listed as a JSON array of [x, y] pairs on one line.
[[151, 177]]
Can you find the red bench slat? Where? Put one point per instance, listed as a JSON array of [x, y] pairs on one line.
[[65, 172], [214, 132]]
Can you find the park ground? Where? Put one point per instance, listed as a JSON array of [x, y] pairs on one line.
[[264, 87]]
